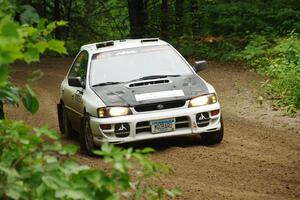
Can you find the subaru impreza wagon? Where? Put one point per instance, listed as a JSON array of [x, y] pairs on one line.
[[132, 90]]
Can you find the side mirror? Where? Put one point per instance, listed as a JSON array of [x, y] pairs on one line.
[[76, 82], [200, 65]]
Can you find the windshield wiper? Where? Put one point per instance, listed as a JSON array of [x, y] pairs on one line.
[[107, 83], [156, 77], [142, 78]]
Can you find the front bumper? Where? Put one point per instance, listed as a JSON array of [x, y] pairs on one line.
[[186, 124]]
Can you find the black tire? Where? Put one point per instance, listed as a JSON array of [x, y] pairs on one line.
[[86, 136], [66, 126], [216, 137]]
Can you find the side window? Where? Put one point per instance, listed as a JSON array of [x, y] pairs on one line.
[[79, 67]]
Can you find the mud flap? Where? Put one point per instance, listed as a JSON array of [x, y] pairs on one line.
[[59, 116], [81, 134]]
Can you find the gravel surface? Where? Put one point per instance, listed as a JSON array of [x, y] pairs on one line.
[[259, 157]]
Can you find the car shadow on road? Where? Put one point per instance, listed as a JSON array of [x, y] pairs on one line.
[[160, 144], [165, 143]]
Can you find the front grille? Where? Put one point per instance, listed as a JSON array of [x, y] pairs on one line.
[[159, 106], [180, 122]]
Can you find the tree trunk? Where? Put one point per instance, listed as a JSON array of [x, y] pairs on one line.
[[44, 9], [69, 10], [164, 23], [179, 17], [1, 110], [193, 7], [69, 18], [56, 16], [137, 18], [28, 2]]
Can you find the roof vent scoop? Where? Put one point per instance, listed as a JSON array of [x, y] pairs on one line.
[[149, 40], [104, 44]]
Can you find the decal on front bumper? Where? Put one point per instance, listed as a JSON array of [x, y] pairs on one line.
[[122, 130]]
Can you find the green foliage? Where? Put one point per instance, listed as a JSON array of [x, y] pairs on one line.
[[214, 48], [35, 165], [10, 94], [279, 58], [241, 17], [29, 100], [28, 15], [26, 42], [23, 41], [94, 21], [72, 46], [56, 45], [3, 75]]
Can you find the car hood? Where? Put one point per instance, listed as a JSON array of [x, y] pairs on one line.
[[176, 88]]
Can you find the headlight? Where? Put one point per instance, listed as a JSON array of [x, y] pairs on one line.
[[113, 111], [203, 100]]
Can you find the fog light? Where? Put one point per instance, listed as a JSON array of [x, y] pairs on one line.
[[105, 126], [215, 112]]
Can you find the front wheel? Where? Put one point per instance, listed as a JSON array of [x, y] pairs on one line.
[[86, 136], [215, 137]]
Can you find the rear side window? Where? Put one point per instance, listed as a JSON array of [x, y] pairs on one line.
[[79, 67]]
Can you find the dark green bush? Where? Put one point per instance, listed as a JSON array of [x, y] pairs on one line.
[[35, 165], [279, 58], [208, 48]]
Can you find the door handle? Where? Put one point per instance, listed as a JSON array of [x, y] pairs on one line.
[[78, 95], [79, 92]]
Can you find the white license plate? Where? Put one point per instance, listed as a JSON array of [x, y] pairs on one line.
[[162, 126]]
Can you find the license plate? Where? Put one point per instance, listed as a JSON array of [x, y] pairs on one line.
[[162, 126]]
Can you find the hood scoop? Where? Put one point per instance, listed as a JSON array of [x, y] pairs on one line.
[[147, 83]]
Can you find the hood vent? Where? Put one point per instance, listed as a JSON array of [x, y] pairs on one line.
[[146, 83]]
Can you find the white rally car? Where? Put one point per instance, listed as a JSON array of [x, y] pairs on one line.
[[130, 90]]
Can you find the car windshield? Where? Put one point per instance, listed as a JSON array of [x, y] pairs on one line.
[[134, 63]]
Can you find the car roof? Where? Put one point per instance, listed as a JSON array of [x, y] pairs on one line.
[[121, 44]]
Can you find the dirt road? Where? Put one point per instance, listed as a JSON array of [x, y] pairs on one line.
[[259, 157]]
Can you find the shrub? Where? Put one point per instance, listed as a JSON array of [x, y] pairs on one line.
[[207, 48], [35, 165], [279, 58]]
